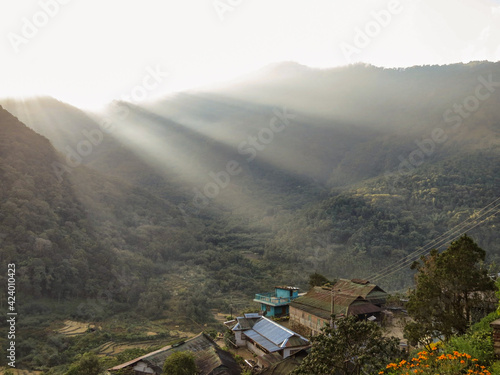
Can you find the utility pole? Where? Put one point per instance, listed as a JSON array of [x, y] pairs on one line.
[[333, 306]]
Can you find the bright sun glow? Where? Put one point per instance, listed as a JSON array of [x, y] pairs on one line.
[[90, 52]]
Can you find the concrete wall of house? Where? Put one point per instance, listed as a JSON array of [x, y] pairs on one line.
[[496, 336], [288, 352], [142, 368], [239, 338], [254, 348], [263, 307], [304, 323], [274, 310], [269, 310], [286, 293]]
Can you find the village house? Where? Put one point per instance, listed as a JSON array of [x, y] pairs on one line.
[[312, 311], [277, 304], [209, 357], [263, 336], [362, 288], [495, 325]]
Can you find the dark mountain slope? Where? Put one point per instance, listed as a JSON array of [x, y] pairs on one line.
[[43, 227]]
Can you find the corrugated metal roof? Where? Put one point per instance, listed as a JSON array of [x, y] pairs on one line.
[[273, 336], [262, 341], [322, 299], [252, 315], [208, 356], [274, 332], [363, 308], [361, 288], [294, 341], [245, 323], [318, 301], [324, 314]]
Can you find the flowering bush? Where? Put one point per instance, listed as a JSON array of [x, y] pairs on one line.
[[434, 363]]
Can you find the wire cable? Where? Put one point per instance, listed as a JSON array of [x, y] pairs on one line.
[[402, 266], [439, 241]]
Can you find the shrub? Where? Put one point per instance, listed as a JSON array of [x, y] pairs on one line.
[[478, 344], [434, 362]]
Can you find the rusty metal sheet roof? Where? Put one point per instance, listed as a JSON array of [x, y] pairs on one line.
[[318, 301], [245, 323], [287, 287], [322, 299], [324, 314], [208, 356], [361, 288], [363, 308]]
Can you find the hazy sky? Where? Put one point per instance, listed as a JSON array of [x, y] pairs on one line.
[[88, 52]]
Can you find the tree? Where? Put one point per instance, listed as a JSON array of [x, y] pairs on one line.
[[450, 286], [317, 279], [351, 347], [180, 363], [87, 365]]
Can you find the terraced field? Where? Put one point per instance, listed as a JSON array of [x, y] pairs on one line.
[[72, 328], [112, 348], [19, 372]]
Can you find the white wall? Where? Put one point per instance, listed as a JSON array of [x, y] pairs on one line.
[[239, 339], [143, 367]]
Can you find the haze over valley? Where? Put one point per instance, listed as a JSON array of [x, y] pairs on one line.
[[154, 180]]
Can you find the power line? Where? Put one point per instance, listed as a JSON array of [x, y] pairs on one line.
[[437, 242], [414, 256], [400, 268], [407, 262]]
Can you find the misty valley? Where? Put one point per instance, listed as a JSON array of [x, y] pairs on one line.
[[149, 229]]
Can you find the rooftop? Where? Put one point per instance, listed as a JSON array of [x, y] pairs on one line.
[[318, 301], [270, 335], [358, 287], [287, 287], [272, 299], [208, 356]]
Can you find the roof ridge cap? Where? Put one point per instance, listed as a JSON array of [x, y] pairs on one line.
[[279, 325]]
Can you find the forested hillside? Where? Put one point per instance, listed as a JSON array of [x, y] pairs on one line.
[[44, 227], [90, 235], [198, 201], [369, 165]]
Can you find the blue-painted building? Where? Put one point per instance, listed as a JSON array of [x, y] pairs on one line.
[[277, 302]]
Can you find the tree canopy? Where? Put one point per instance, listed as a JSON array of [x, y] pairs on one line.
[[87, 365], [180, 363], [450, 288], [351, 347], [317, 279]]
